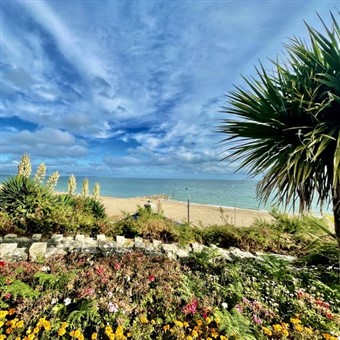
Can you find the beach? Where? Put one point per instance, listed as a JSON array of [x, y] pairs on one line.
[[199, 214]]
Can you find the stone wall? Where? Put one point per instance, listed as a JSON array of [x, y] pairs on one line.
[[13, 248]]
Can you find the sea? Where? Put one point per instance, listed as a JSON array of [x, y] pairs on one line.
[[215, 192]]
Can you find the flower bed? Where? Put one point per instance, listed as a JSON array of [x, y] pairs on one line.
[[141, 296]]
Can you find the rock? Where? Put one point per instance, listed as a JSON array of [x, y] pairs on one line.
[[80, 238], [10, 236], [36, 237], [54, 251], [120, 240], [156, 243], [37, 249], [167, 247], [197, 247], [182, 253], [57, 237], [7, 248], [20, 254], [235, 252], [101, 238]]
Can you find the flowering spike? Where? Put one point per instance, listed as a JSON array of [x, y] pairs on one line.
[[24, 167]]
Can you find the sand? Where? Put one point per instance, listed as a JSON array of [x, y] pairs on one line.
[[199, 214]]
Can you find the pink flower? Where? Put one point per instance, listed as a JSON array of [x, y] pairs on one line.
[[117, 266], [239, 308], [256, 319], [191, 307], [8, 296], [151, 278]]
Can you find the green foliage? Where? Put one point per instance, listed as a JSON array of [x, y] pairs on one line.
[[54, 281], [151, 225], [18, 289], [286, 125], [27, 203]]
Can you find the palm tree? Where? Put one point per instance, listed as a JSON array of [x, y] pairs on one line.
[[285, 126]]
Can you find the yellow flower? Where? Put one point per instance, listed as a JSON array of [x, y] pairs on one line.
[[94, 336], [20, 324], [61, 331], [17, 338], [166, 327], [185, 324], [214, 334], [3, 313], [9, 330], [266, 331], [2, 337], [277, 328], [11, 311], [298, 327], [143, 318], [36, 330], [194, 334], [153, 322], [31, 337], [222, 337], [308, 330], [285, 332], [295, 321], [1, 323], [199, 323], [179, 323], [189, 337]]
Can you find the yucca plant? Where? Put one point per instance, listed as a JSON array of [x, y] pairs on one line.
[[286, 124], [26, 202]]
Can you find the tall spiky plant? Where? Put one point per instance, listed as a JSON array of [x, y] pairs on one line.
[[24, 167], [40, 174], [52, 181], [287, 126], [85, 188], [71, 185], [96, 191]]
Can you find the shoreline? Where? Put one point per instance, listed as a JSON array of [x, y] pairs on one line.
[[200, 214]]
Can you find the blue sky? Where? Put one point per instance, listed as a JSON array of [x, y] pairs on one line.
[[132, 88]]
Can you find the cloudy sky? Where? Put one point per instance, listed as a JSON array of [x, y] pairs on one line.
[[132, 88]]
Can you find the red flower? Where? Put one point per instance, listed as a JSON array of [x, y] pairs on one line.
[[151, 278], [2, 263]]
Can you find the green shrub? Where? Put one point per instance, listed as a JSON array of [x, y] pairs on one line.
[[28, 203]]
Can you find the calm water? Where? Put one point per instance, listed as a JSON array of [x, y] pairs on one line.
[[229, 193]]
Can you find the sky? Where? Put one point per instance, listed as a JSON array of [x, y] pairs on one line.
[[133, 88]]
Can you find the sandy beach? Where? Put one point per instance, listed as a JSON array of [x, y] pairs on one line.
[[199, 214]]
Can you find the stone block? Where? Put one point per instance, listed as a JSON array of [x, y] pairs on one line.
[[156, 243], [101, 238], [120, 240], [10, 236], [197, 247], [36, 237], [54, 251], [57, 237], [7, 248], [37, 249], [20, 254], [170, 247], [80, 238]]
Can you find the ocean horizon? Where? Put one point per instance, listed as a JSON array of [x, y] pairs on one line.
[[216, 192]]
